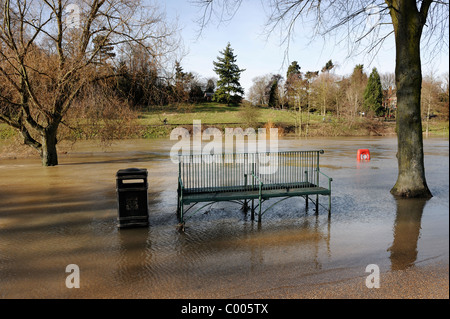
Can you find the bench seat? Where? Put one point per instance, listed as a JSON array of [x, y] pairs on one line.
[[217, 196]]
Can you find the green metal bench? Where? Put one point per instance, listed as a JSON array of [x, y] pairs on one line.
[[246, 177]]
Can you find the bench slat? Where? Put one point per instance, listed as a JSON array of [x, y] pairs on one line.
[[242, 195]]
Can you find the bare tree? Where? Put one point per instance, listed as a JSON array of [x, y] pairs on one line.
[[431, 88], [355, 90], [366, 25], [48, 55], [339, 96], [387, 80], [299, 98], [325, 88], [445, 95], [257, 92]]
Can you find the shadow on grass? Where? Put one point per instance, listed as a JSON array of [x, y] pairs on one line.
[[215, 108], [194, 108]]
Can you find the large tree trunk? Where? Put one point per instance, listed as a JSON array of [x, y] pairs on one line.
[[408, 26], [49, 154]]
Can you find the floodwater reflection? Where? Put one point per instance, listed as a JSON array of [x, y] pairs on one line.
[[406, 233]]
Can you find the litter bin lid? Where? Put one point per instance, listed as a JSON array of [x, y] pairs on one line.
[[132, 171]]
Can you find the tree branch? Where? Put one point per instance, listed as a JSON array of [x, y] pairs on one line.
[[424, 9], [8, 121]]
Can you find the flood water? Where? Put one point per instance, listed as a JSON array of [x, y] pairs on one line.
[[53, 217]]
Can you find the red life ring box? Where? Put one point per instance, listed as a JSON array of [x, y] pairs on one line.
[[363, 155]]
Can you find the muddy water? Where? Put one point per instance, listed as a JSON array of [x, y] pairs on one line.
[[53, 217]]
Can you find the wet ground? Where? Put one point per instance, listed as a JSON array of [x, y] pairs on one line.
[[53, 217]]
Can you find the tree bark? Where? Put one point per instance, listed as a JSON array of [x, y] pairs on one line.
[[49, 154], [408, 25]]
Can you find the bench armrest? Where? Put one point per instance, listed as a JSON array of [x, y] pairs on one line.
[[329, 178]]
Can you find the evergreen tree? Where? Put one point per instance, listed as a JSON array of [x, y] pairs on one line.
[[229, 89], [104, 48], [293, 77], [294, 68], [328, 66], [272, 89], [210, 86], [373, 94], [179, 73], [182, 79]]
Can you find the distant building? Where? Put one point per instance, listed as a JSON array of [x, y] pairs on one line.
[[208, 96], [390, 102]]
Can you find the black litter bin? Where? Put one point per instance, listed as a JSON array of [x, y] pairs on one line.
[[132, 190]]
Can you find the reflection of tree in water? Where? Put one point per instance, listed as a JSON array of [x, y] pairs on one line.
[[406, 233]]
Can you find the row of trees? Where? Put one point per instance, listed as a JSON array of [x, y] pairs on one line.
[[226, 89], [140, 82], [345, 96]]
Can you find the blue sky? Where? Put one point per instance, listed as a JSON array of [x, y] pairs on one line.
[[260, 55]]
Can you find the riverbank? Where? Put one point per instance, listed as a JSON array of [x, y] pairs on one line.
[[158, 122]]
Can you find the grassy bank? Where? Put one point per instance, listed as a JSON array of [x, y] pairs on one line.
[[221, 116], [158, 122], [210, 113], [6, 131]]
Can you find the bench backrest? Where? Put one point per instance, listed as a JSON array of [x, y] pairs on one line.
[[231, 172]]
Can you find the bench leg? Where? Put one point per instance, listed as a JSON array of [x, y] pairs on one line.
[[253, 210], [306, 202], [317, 204], [329, 205], [181, 217], [260, 207], [245, 206]]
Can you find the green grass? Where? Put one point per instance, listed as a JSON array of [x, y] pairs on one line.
[[221, 115], [437, 128], [214, 113], [6, 131], [186, 114]]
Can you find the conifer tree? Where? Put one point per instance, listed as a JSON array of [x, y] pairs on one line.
[[274, 100], [293, 76], [229, 90], [373, 94], [105, 49]]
